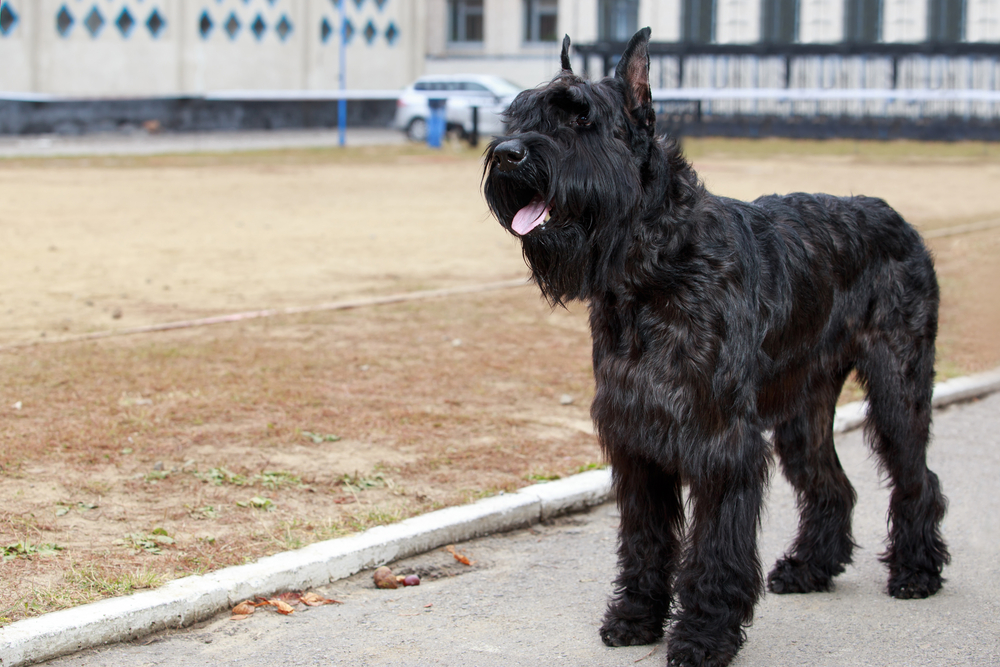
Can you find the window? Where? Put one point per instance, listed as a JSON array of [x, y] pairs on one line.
[[698, 18], [540, 20], [863, 21], [945, 20], [779, 22], [465, 18], [617, 20]]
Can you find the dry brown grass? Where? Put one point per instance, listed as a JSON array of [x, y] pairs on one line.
[[173, 431], [150, 457]]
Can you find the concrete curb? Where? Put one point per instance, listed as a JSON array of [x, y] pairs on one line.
[[191, 599], [852, 415]]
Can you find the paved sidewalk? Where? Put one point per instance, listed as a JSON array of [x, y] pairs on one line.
[[535, 597], [141, 143]]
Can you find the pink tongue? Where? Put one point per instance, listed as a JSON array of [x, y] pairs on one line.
[[530, 216]]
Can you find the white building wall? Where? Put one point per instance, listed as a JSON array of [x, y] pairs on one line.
[[18, 52], [982, 20], [663, 17], [737, 21], [179, 59], [182, 59], [821, 21], [578, 19], [904, 20], [503, 51]]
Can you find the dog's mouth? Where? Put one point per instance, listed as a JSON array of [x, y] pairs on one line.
[[534, 214]]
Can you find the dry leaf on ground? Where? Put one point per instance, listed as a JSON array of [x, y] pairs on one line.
[[461, 558], [282, 606], [243, 610], [316, 600]]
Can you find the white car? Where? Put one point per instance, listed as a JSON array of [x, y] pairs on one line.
[[490, 94]]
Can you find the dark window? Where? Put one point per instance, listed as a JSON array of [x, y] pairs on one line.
[[465, 18], [232, 25], [779, 21], [617, 20], [205, 25], [155, 23], [945, 20], [283, 28], [8, 19], [64, 21], [94, 21], [540, 20], [258, 27], [698, 18], [863, 21], [125, 22]]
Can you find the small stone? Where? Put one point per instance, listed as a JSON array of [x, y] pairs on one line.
[[566, 399]]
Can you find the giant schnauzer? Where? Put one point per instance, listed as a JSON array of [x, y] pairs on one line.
[[714, 320]]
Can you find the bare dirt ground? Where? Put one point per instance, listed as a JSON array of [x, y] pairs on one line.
[[129, 461]]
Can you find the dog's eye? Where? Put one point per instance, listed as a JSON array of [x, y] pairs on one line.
[[583, 120]]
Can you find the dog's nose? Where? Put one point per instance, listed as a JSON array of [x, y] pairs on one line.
[[509, 155]]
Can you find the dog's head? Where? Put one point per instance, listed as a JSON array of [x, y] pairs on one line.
[[569, 173]]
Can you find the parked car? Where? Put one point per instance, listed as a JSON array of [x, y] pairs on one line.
[[491, 94]]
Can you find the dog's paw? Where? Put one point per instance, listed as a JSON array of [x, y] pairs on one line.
[[683, 653], [703, 642], [914, 584], [620, 632], [791, 575]]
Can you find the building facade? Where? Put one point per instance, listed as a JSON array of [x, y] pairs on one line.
[[129, 48]]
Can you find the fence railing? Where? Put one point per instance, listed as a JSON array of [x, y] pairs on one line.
[[923, 80]]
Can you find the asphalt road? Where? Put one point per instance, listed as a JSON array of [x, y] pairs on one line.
[[535, 597]]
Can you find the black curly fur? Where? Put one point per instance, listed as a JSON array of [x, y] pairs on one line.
[[713, 320]]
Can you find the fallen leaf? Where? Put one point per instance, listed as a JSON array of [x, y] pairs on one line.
[[239, 617], [244, 608], [282, 606], [315, 600], [461, 558]]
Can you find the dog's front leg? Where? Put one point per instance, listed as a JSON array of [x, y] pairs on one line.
[[652, 515], [720, 579]]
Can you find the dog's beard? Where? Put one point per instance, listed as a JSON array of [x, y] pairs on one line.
[[560, 263]]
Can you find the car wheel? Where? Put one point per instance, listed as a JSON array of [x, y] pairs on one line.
[[417, 130]]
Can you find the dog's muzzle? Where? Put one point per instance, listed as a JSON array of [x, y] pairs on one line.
[[509, 155]]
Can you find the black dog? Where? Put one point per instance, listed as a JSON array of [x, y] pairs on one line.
[[712, 321]]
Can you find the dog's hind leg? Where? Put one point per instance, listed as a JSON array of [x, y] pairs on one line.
[[720, 580], [899, 379], [652, 514], [824, 495]]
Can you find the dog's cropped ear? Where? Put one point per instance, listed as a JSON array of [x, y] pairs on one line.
[[633, 72], [564, 57]]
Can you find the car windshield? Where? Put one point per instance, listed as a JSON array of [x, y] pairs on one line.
[[497, 86], [503, 87]]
